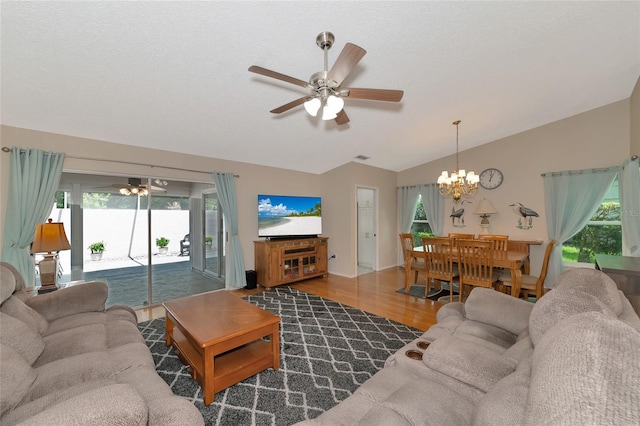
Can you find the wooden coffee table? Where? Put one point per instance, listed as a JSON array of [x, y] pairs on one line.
[[223, 338]]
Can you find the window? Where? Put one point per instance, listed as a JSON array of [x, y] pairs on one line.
[[420, 226], [602, 234]]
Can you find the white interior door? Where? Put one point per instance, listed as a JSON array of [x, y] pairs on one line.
[[366, 229]]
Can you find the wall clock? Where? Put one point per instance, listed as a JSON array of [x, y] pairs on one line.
[[491, 178]]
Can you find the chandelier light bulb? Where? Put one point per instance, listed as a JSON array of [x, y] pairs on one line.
[[312, 106]]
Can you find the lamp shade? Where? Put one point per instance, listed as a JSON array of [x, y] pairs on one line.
[[312, 106], [50, 237], [485, 208]]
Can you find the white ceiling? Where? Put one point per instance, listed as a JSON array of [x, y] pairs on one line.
[[173, 75]]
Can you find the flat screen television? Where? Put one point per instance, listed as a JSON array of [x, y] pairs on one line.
[[287, 216]]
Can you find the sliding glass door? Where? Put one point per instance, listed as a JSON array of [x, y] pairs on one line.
[[147, 235], [214, 233]]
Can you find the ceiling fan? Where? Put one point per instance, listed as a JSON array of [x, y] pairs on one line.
[[324, 86], [135, 186]]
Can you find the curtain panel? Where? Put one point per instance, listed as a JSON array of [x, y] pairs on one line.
[[433, 204], [571, 199], [235, 276], [407, 206], [629, 187], [34, 176]]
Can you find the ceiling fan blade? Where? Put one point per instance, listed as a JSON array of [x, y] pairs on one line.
[[347, 60], [153, 188], [287, 107], [375, 94], [277, 75], [342, 117]]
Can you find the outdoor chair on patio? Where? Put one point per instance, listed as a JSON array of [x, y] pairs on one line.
[[185, 245]]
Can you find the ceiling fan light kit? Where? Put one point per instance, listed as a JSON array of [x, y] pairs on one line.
[[324, 86]]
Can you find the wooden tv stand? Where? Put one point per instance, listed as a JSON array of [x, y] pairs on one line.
[[285, 261]]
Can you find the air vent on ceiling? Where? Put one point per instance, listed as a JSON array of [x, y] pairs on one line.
[[361, 157]]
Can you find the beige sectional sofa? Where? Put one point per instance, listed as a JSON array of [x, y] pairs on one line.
[[65, 360], [571, 358]]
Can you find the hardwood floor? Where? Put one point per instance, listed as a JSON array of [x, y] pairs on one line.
[[374, 292]]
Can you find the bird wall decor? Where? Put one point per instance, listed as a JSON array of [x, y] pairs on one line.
[[525, 215], [457, 215]]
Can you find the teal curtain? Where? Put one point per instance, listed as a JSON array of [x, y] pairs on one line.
[[235, 276], [34, 176], [407, 200], [629, 187], [433, 204], [571, 199]]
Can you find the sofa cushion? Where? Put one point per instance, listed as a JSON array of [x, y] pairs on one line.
[[22, 338], [19, 310], [75, 341], [561, 303], [395, 396], [8, 280], [466, 361], [74, 321], [585, 370], [95, 403], [67, 372], [595, 283], [86, 297], [487, 335], [521, 350], [629, 315], [505, 403], [498, 309], [16, 377]]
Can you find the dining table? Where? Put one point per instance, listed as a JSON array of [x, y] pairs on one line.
[[516, 262]]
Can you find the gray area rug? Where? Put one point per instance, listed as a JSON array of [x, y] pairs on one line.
[[327, 350], [417, 290]]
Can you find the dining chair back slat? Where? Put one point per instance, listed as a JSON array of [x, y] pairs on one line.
[[500, 242], [438, 262], [454, 237], [475, 263]]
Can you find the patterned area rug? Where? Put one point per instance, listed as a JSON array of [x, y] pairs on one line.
[[417, 290], [327, 350]]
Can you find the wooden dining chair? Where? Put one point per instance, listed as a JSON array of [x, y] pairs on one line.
[[531, 285], [454, 237], [412, 263], [439, 263], [500, 242], [475, 263]]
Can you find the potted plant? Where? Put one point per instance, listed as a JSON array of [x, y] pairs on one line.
[[96, 250], [162, 244], [208, 242]]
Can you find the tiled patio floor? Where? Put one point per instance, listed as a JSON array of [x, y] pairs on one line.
[[172, 278]]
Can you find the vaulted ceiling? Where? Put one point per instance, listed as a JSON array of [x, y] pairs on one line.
[[173, 75]]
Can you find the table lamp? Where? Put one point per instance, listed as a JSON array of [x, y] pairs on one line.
[[49, 238], [484, 210]]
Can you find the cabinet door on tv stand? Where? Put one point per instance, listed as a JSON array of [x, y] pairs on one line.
[[321, 257], [276, 267]]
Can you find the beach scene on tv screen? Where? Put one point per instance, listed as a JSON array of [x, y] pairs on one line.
[[286, 215]]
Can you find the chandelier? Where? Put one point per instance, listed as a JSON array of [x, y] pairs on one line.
[[459, 183]]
